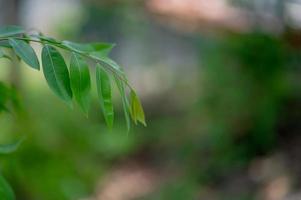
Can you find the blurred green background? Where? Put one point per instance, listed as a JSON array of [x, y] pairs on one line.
[[220, 84]]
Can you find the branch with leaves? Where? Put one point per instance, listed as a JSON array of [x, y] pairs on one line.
[[74, 82]]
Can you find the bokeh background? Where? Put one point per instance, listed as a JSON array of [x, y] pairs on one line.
[[220, 83]]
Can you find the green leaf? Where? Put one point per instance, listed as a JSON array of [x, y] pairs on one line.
[[102, 49], [4, 95], [7, 31], [3, 55], [6, 192], [25, 52], [105, 95], [97, 51], [56, 73], [80, 81], [108, 61], [5, 44], [125, 102], [9, 148], [137, 112], [48, 39]]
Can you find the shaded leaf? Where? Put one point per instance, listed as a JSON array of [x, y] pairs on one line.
[[7, 31], [9, 148], [4, 96], [80, 81], [6, 192], [56, 73], [48, 39], [137, 112], [5, 44], [25, 52], [125, 102], [105, 94], [98, 51], [3, 55]]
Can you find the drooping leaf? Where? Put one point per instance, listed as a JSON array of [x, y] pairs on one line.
[[7, 31], [137, 112], [25, 52], [80, 81], [125, 102], [6, 192], [56, 73], [105, 94], [102, 49], [9, 148]]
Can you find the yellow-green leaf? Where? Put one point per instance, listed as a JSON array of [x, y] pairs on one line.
[[137, 112]]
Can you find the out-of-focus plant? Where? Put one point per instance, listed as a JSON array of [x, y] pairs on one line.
[[68, 84]]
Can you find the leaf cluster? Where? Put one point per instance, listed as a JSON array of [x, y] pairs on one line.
[[74, 81]]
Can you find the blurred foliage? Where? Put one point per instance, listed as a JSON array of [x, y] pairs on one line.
[[246, 84]]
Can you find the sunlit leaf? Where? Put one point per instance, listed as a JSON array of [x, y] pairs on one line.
[[125, 102], [137, 112], [7, 31], [6, 192], [105, 94], [25, 52], [56, 73], [80, 81], [101, 49]]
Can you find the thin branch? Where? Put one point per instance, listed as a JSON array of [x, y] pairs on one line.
[[59, 45]]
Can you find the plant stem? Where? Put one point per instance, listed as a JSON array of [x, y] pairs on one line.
[[59, 45]]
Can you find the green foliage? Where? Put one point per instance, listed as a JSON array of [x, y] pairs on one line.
[[64, 83], [7, 31], [3, 55], [104, 94], [136, 109], [10, 148], [6, 192], [56, 73], [80, 81], [77, 83], [125, 102], [25, 52]]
